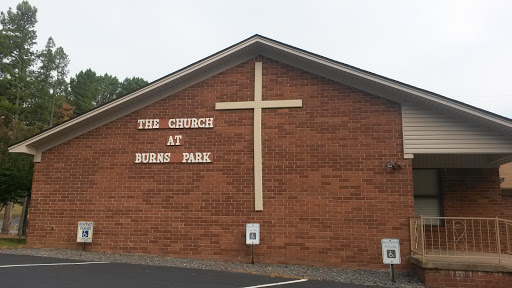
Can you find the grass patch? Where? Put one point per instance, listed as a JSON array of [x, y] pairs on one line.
[[16, 210], [12, 243]]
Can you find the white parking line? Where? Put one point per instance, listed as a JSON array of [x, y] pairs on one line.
[[276, 284], [51, 264]]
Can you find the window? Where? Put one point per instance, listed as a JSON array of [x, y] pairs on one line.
[[427, 194]]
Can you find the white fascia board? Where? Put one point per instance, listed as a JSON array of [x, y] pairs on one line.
[[22, 146], [22, 149], [389, 83]]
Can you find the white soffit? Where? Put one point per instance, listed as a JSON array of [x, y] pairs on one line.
[[236, 54]]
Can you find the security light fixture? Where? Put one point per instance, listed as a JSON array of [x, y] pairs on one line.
[[393, 165]]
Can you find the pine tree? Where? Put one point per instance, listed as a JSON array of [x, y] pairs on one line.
[[130, 84], [17, 36], [16, 67]]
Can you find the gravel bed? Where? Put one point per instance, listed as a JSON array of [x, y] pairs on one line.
[[364, 277]]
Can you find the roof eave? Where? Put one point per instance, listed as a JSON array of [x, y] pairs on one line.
[[246, 49]]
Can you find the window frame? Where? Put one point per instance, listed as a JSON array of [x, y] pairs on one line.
[[438, 196]]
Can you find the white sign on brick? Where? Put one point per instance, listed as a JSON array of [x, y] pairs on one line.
[[390, 251], [84, 232], [252, 234]]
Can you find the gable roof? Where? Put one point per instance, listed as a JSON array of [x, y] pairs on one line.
[[243, 51]]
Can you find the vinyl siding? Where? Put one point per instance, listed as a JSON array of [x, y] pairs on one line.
[[430, 132]]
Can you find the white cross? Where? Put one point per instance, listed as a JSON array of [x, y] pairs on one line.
[[257, 105]]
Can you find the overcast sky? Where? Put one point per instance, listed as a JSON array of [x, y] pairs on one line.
[[459, 49]]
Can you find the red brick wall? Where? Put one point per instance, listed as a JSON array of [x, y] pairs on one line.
[[471, 193], [507, 205], [468, 193], [328, 199], [467, 279], [506, 186]]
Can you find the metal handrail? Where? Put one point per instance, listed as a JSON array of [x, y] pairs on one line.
[[474, 218], [462, 237]]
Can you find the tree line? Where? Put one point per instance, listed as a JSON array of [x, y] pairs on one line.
[[35, 95]]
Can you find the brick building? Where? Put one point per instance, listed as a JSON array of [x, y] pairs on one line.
[[328, 158], [506, 189]]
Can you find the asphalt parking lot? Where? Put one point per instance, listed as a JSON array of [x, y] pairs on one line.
[[35, 271]]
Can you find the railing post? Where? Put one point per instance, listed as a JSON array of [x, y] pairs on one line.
[[422, 240], [498, 240], [411, 221], [508, 241]]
